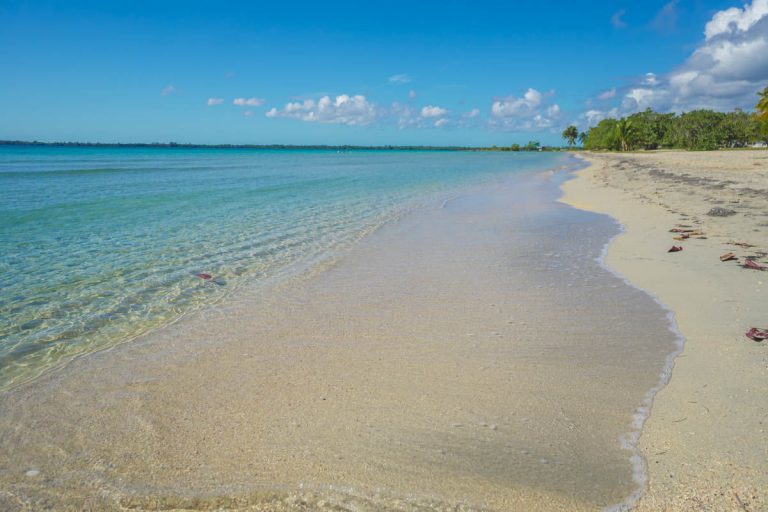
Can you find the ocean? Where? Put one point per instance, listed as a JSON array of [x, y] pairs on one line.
[[101, 245], [364, 330]]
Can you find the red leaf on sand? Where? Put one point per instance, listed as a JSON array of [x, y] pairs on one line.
[[757, 334], [675, 248], [751, 264], [204, 276]]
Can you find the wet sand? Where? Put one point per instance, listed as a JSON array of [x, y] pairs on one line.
[[472, 355], [705, 441]]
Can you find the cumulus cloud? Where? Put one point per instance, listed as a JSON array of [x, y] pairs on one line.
[[168, 89], [248, 102], [529, 113], [650, 79], [399, 79], [472, 113], [592, 117], [430, 116], [607, 95], [616, 20], [212, 102], [344, 109], [734, 20], [724, 71], [433, 111]]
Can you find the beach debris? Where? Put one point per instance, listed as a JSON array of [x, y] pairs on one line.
[[720, 212], [728, 256], [204, 276], [32, 473], [757, 334], [748, 263], [684, 236], [675, 248], [742, 244], [680, 230]]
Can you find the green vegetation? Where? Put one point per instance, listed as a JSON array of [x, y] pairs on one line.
[[695, 130], [571, 134], [762, 105]]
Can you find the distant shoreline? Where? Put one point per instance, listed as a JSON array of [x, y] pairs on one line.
[[166, 145], [343, 147]]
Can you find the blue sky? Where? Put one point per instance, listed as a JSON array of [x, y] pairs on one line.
[[451, 72]]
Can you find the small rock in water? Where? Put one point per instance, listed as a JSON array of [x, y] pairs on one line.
[[32, 473], [720, 212]]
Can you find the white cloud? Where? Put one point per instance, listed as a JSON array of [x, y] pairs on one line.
[[433, 111], [735, 20], [406, 116], [412, 94], [593, 117], [607, 95], [168, 89], [248, 113], [517, 107], [553, 111], [650, 79], [616, 20], [429, 116], [344, 109], [399, 79], [248, 102], [212, 102], [529, 113], [724, 72], [472, 113]]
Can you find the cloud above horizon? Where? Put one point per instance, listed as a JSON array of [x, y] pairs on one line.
[[433, 111], [344, 109], [399, 79], [248, 102], [723, 72], [168, 89], [212, 102], [531, 112]]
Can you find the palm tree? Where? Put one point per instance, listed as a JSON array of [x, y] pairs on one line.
[[570, 134], [762, 105], [625, 132], [583, 138]]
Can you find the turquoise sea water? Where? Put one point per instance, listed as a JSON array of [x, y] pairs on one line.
[[100, 245]]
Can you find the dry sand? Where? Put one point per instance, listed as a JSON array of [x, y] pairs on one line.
[[705, 442]]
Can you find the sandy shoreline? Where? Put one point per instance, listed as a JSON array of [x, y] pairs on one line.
[[705, 441], [471, 355]]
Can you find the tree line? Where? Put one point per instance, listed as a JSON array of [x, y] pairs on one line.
[[694, 130]]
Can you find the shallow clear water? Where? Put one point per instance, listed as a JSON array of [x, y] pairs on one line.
[[100, 245], [473, 354]]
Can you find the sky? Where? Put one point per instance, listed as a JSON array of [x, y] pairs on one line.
[[425, 72]]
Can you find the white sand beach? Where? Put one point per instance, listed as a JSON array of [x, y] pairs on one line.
[[706, 439]]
